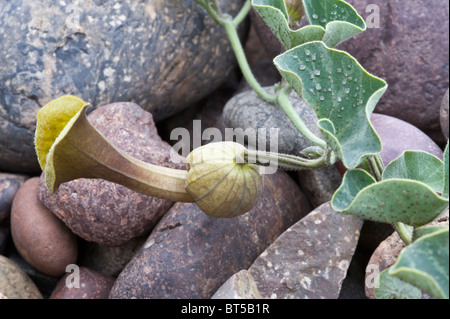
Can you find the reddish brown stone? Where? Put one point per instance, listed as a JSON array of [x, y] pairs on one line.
[[92, 285], [310, 259], [39, 236], [398, 136], [190, 254], [104, 212], [410, 51]]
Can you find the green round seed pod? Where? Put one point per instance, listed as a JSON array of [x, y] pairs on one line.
[[221, 182]]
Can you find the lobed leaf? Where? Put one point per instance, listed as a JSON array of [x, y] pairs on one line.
[[336, 86], [275, 15], [332, 21], [337, 17], [425, 264], [390, 201], [390, 287], [426, 230], [419, 166], [446, 168]]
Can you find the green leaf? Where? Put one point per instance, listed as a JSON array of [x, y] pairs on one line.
[[446, 163], [353, 182], [390, 287], [275, 15], [339, 18], [419, 166], [390, 201], [335, 85], [332, 21], [425, 264], [426, 230]]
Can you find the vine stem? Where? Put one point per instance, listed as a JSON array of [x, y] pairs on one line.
[[284, 102], [230, 29], [243, 13], [284, 161], [377, 167]]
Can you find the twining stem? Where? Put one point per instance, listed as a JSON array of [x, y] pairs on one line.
[[243, 13], [377, 167], [405, 232], [284, 102], [284, 161], [230, 29], [282, 99]]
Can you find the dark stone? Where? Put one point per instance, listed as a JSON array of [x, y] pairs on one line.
[[410, 52], [310, 259], [104, 212], [190, 254], [163, 55], [92, 285], [4, 236], [9, 184], [247, 110], [319, 185], [109, 260]]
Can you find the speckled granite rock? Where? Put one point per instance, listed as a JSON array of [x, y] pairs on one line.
[[163, 55], [247, 110], [104, 212], [240, 286], [444, 115], [92, 285], [310, 259], [14, 283], [9, 184], [190, 254], [410, 51]]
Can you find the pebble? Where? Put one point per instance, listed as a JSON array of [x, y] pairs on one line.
[[247, 111], [39, 236], [398, 136], [163, 55], [390, 51], [9, 184], [83, 283], [106, 213], [310, 259], [190, 254], [320, 184], [109, 260], [14, 283]]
